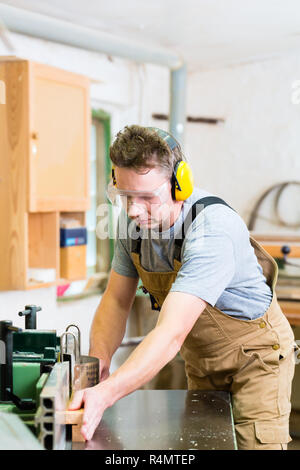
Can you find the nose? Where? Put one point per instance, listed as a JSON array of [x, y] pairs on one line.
[[135, 210]]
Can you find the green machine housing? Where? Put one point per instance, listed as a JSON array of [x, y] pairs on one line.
[[28, 357]]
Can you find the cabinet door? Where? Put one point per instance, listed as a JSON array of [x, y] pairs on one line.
[[13, 175], [59, 139]]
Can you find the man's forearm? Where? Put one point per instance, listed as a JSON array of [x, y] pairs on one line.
[[143, 364], [149, 357], [108, 328], [158, 348], [152, 354]]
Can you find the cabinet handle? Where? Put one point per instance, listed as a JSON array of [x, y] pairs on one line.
[[34, 136]]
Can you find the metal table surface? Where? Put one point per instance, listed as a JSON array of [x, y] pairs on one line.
[[166, 420]]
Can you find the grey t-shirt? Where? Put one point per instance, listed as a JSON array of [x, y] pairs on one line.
[[218, 262]]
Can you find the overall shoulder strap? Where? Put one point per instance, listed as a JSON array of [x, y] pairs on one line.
[[194, 211]]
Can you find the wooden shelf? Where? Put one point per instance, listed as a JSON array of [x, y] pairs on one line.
[[38, 285], [44, 166], [59, 282]]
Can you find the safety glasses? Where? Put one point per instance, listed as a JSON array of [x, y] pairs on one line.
[[125, 198]]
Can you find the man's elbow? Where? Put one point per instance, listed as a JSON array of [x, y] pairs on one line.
[[175, 342], [180, 340], [182, 334]]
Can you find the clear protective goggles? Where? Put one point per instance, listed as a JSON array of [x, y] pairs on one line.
[[125, 198]]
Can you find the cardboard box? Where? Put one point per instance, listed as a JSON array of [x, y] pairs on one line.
[[73, 262]]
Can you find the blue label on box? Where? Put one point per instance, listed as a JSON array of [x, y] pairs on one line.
[[73, 236], [75, 241]]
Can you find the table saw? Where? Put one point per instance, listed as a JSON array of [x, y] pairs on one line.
[[38, 373], [166, 420]]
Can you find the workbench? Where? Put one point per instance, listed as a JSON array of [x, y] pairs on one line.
[[166, 420], [291, 309], [285, 249], [288, 295]]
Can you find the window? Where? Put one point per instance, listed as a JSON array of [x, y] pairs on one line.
[[99, 252]]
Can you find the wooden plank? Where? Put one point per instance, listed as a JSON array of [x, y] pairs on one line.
[[73, 417], [280, 238], [31, 285], [291, 310], [13, 175], [290, 306], [69, 416], [43, 240], [293, 318], [76, 434], [273, 243], [275, 250], [288, 292]]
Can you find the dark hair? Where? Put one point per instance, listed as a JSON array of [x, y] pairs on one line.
[[140, 147]]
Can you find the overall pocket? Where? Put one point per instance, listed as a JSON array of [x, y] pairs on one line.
[[266, 356], [286, 374], [272, 432]]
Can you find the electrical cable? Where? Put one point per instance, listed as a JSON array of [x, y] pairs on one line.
[[279, 188], [276, 204]]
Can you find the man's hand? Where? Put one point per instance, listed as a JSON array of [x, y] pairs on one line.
[[179, 313], [94, 400]]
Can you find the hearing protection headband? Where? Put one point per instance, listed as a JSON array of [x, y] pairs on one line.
[[182, 177]]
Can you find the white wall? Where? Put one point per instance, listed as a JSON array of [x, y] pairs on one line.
[[259, 143], [256, 147], [130, 93]]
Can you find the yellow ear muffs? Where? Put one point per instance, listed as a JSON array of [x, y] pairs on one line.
[[182, 181]]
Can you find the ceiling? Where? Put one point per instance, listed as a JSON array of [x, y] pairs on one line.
[[205, 33]]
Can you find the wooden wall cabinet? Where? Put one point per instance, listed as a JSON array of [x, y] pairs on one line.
[[44, 164]]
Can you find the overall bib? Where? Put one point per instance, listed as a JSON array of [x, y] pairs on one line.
[[254, 360]]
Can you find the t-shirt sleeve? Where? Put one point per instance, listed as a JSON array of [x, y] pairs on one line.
[[208, 264], [122, 262]]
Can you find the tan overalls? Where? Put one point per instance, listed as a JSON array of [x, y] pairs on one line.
[[252, 359]]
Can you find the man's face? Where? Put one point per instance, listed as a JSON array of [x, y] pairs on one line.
[[147, 212]]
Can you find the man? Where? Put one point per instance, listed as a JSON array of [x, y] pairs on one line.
[[214, 286]]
